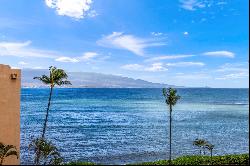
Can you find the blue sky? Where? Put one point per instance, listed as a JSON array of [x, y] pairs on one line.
[[181, 42]]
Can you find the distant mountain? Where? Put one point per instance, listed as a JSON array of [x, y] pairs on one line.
[[90, 80]]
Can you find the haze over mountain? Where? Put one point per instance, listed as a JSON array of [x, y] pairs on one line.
[[90, 80]]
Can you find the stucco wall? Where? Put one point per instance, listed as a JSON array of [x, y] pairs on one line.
[[10, 109]]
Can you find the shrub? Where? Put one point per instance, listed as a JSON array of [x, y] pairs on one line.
[[242, 159]]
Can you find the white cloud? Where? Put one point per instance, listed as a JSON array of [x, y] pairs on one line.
[[38, 67], [24, 49], [156, 33], [15, 67], [72, 8], [192, 5], [167, 57], [131, 43], [221, 3], [66, 59], [185, 64], [22, 63], [179, 73], [92, 13], [233, 76], [194, 76], [88, 56], [233, 67], [233, 71], [156, 67], [134, 67], [227, 54], [185, 33]]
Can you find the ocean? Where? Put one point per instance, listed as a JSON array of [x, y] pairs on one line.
[[120, 126]]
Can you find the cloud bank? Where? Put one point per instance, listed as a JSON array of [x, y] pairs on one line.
[[24, 49]]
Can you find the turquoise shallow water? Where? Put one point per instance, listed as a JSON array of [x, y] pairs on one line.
[[118, 126]]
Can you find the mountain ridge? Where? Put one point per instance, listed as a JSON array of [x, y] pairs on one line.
[[90, 80]]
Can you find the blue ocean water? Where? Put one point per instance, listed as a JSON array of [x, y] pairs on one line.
[[118, 126]]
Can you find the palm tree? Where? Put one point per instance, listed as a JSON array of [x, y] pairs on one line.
[[56, 77], [200, 143], [171, 99], [210, 147], [48, 153], [7, 150]]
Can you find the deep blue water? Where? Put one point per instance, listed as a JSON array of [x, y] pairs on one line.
[[117, 126]]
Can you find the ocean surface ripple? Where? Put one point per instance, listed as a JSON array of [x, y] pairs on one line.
[[119, 126]]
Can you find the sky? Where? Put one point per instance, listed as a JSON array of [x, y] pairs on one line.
[[179, 42]]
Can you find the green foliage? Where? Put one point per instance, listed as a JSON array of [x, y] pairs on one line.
[[241, 159], [171, 96], [56, 77], [48, 153], [7, 150], [200, 143]]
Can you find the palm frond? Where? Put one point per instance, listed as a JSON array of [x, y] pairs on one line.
[[44, 79], [8, 147], [171, 96], [7, 150], [209, 146], [49, 153], [11, 152], [56, 77], [63, 83], [199, 142]]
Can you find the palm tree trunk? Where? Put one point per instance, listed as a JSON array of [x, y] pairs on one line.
[[211, 155], [170, 134], [37, 160], [37, 157], [47, 113]]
